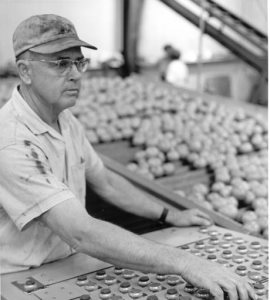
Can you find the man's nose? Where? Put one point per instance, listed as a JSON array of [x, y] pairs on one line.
[[74, 72]]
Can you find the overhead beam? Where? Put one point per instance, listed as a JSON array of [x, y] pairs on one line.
[[259, 63], [131, 23]]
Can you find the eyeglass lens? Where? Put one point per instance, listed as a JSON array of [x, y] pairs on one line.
[[65, 65]]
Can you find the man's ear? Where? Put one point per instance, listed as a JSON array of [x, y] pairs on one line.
[[24, 71]]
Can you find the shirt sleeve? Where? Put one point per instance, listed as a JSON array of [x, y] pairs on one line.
[[93, 161], [28, 187]]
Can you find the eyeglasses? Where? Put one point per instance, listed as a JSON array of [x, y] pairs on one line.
[[64, 65]]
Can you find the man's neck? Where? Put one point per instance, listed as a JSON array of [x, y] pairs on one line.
[[46, 113]]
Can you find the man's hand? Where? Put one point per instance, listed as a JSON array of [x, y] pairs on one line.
[[188, 218], [218, 279]]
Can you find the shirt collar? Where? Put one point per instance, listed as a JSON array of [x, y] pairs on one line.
[[30, 118]]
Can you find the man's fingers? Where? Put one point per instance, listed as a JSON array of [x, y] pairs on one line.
[[231, 290], [202, 214], [201, 221], [250, 292], [243, 294], [217, 292]]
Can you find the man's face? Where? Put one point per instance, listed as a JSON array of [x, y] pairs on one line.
[[53, 88]]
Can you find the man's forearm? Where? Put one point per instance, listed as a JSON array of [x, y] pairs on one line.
[[125, 249], [129, 198]]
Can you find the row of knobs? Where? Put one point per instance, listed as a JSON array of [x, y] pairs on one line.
[[134, 293], [143, 281]]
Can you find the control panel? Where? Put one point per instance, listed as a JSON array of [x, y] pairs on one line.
[[80, 277]]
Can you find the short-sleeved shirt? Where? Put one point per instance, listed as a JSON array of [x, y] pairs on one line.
[[39, 168], [177, 73]]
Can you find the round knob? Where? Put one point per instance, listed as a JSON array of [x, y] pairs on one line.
[[109, 280], [85, 297], [135, 293], [242, 249], [227, 236], [30, 285], [128, 274], [125, 287], [101, 274], [265, 249], [254, 276], [238, 240], [255, 245], [227, 254], [212, 257], [185, 247], [152, 297], [259, 289], [143, 281], [189, 288], [203, 229], [210, 249], [213, 233], [82, 280], [225, 245], [91, 286], [118, 270], [155, 287], [173, 280], [224, 263], [238, 259], [203, 293], [257, 265], [199, 245], [241, 270], [253, 254], [105, 293], [195, 252], [214, 240], [172, 294], [160, 277]]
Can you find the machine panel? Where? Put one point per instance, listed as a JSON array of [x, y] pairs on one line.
[[80, 277]]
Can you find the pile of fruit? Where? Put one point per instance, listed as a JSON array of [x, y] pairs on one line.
[[171, 126], [239, 191]]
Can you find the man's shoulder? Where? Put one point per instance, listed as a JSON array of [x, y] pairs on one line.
[[8, 124], [12, 130]]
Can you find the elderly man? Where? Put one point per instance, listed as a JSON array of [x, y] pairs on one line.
[[44, 160]]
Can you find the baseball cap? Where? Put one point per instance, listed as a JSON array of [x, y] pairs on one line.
[[47, 33]]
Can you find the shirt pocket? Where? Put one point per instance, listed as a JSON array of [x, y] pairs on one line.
[[77, 181]]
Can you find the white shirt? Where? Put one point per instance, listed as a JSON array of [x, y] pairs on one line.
[[177, 73], [39, 168]]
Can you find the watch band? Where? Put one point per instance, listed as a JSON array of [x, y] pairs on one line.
[[163, 216]]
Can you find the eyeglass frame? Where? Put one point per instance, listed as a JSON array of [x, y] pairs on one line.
[[68, 69]]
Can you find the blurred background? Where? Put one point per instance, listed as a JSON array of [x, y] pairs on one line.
[[177, 93], [133, 33]]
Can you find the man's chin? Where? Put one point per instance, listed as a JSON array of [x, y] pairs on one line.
[[69, 102]]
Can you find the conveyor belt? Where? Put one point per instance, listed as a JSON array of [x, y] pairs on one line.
[[165, 196], [183, 179]]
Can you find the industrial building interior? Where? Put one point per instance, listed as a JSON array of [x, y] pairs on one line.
[[197, 143]]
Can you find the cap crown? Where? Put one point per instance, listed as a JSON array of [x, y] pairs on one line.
[[41, 29]]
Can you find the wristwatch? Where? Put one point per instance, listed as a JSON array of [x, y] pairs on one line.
[[163, 216]]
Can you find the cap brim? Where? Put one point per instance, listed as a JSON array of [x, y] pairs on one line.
[[61, 44]]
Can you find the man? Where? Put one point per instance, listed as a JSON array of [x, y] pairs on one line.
[[44, 159]]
